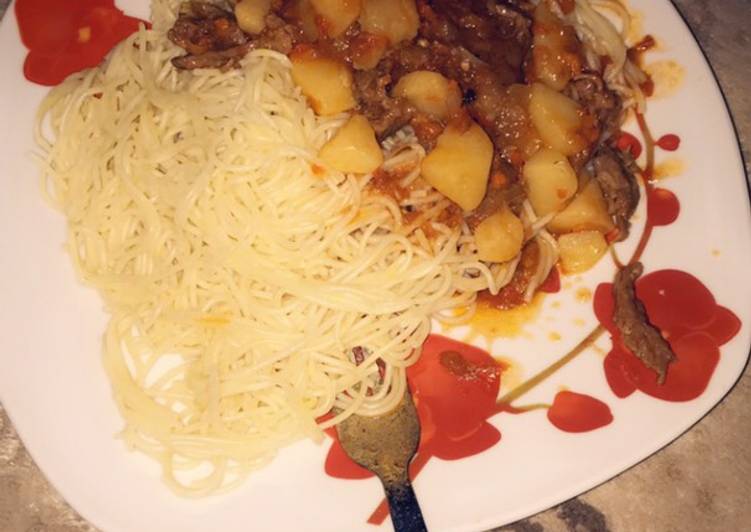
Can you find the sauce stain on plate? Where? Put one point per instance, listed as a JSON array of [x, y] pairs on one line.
[[670, 167], [492, 322], [583, 295], [668, 77]]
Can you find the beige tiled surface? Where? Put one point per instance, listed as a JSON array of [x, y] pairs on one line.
[[698, 483]]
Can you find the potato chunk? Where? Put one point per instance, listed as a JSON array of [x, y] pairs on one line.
[[251, 15], [430, 92], [557, 119], [367, 50], [353, 148], [550, 181], [337, 15], [397, 20], [459, 164], [587, 211], [580, 251], [499, 237], [326, 82]]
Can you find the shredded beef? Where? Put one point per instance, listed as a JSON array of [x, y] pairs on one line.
[[494, 32], [483, 45], [278, 35], [212, 39], [210, 36], [641, 337], [480, 44], [590, 91]]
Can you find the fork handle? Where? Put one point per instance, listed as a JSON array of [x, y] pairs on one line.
[[406, 515]]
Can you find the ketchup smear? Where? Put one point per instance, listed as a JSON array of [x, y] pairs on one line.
[[66, 37]]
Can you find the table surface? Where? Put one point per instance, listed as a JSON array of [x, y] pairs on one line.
[[670, 491]]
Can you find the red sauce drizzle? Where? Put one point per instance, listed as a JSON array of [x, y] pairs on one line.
[[66, 37], [663, 206], [649, 145], [576, 412], [669, 142]]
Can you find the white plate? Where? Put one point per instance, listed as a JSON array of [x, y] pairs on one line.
[[54, 388]]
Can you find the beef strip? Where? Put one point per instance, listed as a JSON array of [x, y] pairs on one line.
[[502, 115], [359, 354], [615, 175], [641, 337], [612, 169], [222, 59]]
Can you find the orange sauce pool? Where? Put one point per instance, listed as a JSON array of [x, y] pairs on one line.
[[492, 322]]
